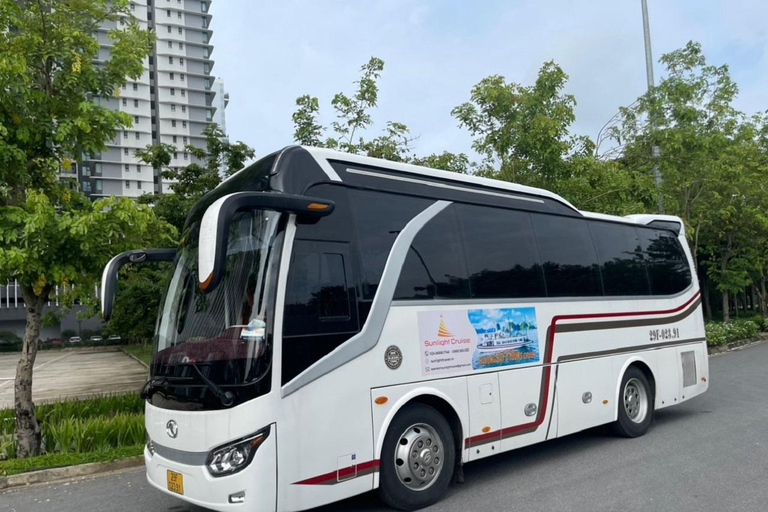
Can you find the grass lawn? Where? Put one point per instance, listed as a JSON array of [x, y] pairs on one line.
[[139, 351], [58, 460]]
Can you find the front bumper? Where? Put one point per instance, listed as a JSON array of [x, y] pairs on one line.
[[258, 480]]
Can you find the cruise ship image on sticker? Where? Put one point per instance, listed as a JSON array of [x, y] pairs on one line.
[[504, 329]]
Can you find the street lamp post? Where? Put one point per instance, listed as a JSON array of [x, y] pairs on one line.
[[649, 75]]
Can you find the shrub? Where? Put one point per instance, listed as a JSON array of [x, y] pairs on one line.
[[10, 338], [721, 333]]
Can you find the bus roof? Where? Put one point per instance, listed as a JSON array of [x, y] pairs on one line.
[[323, 156]]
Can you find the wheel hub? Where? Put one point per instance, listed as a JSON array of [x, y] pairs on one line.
[[418, 457], [635, 400]]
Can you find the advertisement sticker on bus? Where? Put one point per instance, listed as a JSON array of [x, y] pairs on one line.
[[474, 339]]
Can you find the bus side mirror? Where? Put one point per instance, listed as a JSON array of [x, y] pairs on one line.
[[214, 227], [109, 277]]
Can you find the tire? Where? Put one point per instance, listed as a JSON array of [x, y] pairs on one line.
[[635, 404], [419, 430]]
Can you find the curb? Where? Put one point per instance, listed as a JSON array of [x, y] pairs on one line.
[[736, 345], [142, 363], [53, 475]]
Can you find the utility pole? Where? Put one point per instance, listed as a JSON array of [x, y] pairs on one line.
[[649, 74]]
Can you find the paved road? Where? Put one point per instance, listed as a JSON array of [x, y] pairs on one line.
[[708, 454], [79, 373]]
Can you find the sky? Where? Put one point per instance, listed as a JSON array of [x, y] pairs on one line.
[[270, 52]]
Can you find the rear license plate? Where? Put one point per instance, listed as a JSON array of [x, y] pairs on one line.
[[175, 482]]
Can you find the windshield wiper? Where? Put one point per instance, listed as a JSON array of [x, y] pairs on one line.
[[154, 383], [226, 397]]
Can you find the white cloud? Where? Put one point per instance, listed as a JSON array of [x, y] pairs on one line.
[[268, 53]]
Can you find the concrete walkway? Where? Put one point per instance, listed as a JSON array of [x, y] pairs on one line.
[[77, 373]]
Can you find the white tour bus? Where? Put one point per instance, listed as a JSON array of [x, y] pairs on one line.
[[336, 324]]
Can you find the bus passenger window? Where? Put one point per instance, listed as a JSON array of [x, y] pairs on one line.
[[667, 265], [621, 259], [334, 298], [435, 267], [568, 255]]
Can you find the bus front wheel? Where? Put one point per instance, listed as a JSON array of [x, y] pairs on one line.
[[417, 458], [635, 404]]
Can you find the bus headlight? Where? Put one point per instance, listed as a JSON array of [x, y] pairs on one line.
[[150, 447], [234, 457]]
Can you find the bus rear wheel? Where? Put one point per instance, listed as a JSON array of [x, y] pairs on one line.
[[417, 458], [635, 404]]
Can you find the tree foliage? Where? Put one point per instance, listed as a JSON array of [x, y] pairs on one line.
[[51, 114]]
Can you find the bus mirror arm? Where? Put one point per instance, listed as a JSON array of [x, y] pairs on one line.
[[109, 277], [214, 226]]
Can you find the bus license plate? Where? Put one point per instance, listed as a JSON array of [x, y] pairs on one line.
[[175, 482]]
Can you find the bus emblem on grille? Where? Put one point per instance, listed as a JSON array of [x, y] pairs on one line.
[[393, 357], [172, 429]]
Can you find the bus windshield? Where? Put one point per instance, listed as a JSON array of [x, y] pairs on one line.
[[209, 345]]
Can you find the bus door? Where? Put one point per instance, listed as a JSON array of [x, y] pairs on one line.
[[484, 415]]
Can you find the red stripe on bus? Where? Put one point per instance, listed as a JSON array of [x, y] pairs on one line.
[[363, 467], [510, 431]]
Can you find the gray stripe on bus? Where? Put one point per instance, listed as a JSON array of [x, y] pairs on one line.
[[636, 348], [622, 324], [369, 335], [181, 456]]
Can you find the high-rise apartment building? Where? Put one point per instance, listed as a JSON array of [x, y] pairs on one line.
[[172, 102]]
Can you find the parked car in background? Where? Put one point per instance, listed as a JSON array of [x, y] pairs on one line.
[[75, 339], [95, 339], [53, 341], [114, 337]]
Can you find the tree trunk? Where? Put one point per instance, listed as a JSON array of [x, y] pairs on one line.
[[707, 303], [27, 428], [762, 296], [726, 311]]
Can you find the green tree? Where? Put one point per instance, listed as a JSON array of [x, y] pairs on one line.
[[523, 134], [51, 112], [353, 120]]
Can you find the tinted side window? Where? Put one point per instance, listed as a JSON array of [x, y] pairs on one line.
[[320, 304], [502, 257], [621, 259], [667, 266], [435, 267], [380, 218], [568, 256]]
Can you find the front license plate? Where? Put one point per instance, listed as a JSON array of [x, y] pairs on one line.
[[175, 482]]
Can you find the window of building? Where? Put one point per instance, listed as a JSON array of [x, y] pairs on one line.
[[173, 107], [138, 168], [127, 184], [203, 6], [135, 87], [125, 102], [133, 6], [138, 136], [97, 168], [170, 60], [668, 269], [206, 52], [136, 119], [209, 115], [181, 46], [127, 167], [181, 31], [173, 123], [186, 155], [169, 29], [173, 91], [168, 12], [174, 139], [183, 108], [170, 44], [181, 61], [568, 256], [173, 76], [86, 186], [183, 124], [125, 151], [125, 134], [135, 103], [183, 93], [184, 140], [502, 258], [86, 171], [175, 155], [98, 185], [621, 259], [123, 86], [435, 267], [138, 185], [179, 14]]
